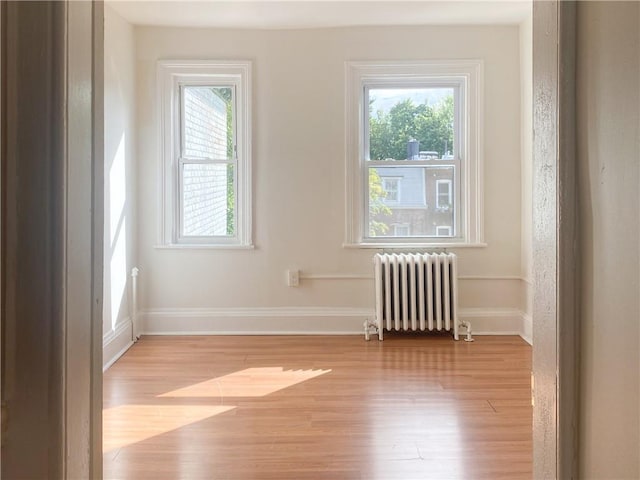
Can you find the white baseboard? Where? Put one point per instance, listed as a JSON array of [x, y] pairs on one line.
[[496, 321], [116, 342], [305, 321], [254, 321], [527, 328]]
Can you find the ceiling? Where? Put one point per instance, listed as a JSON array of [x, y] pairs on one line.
[[269, 14]]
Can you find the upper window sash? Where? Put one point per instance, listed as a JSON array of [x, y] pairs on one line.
[[180, 89], [455, 83]]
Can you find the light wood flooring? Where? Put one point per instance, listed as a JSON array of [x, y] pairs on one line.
[[291, 407]]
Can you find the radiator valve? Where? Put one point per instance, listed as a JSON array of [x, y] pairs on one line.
[[467, 325]]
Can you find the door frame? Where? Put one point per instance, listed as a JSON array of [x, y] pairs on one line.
[[555, 242], [79, 355], [51, 124]]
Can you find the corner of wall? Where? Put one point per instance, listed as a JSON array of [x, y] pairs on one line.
[[120, 202]]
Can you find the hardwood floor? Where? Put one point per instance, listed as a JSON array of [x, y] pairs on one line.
[[411, 407]]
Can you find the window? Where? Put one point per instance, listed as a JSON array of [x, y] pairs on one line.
[[443, 231], [418, 121], [391, 187], [206, 153], [444, 197], [401, 230]]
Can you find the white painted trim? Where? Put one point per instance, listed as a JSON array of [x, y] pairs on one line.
[[254, 321], [260, 312], [302, 321], [116, 342], [527, 328], [414, 246], [495, 321], [179, 246], [134, 303], [81, 183], [117, 356], [360, 73], [336, 276], [489, 277], [364, 276], [169, 74], [112, 334]]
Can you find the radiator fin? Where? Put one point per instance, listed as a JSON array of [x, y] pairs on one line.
[[416, 292]]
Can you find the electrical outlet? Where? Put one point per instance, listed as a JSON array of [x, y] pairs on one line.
[[293, 278]]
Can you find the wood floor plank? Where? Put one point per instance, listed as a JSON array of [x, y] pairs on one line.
[[273, 407]]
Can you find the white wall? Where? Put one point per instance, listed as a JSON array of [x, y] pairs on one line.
[[119, 203], [299, 165], [608, 86], [526, 156]]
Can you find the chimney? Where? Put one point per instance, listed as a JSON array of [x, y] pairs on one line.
[[413, 149]]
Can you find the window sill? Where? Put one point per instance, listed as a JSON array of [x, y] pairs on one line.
[[413, 246], [178, 246]]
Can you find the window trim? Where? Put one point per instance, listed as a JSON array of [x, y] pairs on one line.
[[469, 74], [172, 74]]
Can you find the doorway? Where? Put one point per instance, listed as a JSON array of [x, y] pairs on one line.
[[81, 366]]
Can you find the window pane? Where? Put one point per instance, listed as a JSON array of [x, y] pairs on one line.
[[208, 200], [423, 205], [208, 122], [411, 123]]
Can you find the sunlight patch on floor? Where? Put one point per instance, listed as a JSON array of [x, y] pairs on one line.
[[128, 424], [251, 382]]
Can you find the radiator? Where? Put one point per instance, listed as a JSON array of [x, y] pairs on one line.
[[416, 292]]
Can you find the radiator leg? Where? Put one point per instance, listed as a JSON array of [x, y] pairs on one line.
[[467, 325], [368, 325]]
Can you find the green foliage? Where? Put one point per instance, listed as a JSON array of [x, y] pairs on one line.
[[231, 201], [377, 207], [231, 193], [226, 95], [389, 132]]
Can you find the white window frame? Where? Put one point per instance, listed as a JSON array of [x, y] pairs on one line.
[[172, 76], [465, 76], [398, 181], [449, 184]]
